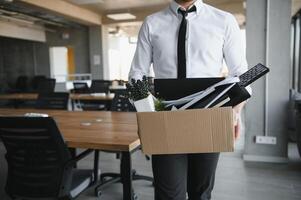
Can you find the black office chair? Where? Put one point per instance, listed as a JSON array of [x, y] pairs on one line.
[[97, 86], [120, 103], [4, 90], [36, 82], [21, 84], [55, 100], [80, 87], [39, 163], [100, 86], [46, 85]]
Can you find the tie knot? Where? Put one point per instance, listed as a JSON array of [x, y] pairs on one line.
[[185, 12]]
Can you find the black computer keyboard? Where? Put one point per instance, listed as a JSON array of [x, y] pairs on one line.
[[253, 74]]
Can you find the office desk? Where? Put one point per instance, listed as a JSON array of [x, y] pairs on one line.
[[91, 97], [112, 131], [117, 87], [73, 97], [34, 96], [106, 98], [19, 96]]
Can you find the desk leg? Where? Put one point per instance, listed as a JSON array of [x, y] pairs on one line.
[[127, 176], [73, 154], [96, 166], [108, 104], [16, 103], [72, 105]]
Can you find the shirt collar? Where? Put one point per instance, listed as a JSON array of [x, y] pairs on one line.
[[174, 6]]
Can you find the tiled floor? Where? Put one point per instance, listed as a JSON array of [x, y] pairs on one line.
[[235, 180]]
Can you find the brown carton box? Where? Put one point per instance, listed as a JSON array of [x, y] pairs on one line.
[[189, 131]]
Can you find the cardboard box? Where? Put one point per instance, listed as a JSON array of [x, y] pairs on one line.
[[189, 131]]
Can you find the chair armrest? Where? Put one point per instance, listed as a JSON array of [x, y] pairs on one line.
[[79, 157]]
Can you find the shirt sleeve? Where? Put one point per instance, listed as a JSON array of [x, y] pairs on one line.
[[143, 56], [233, 49]]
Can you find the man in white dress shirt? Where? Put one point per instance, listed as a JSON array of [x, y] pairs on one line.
[[188, 39]]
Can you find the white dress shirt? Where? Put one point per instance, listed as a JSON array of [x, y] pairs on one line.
[[212, 35]]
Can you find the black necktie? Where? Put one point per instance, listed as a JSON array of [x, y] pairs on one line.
[[181, 43]]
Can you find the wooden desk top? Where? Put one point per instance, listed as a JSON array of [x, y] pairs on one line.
[[34, 96], [19, 96], [113, 131], [91, 97], [117, 87]]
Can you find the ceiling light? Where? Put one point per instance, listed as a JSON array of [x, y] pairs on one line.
[[121, 16], [81, 2]]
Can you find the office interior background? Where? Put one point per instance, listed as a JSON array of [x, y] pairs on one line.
[[83, 40]]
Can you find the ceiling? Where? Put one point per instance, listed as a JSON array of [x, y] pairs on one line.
[[104, 6], [22, 14], [142, 8], [139, 8], [296, 6]]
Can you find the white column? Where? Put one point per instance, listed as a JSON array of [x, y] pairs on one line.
[[268, 42]]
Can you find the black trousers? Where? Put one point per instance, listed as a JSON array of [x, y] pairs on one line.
[[174, 175]]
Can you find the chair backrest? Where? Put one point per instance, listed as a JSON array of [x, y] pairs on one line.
[[36, 156], [36, 81], [100, 86], [46, 85], [80, 87], [56, 100], [121, 103], [22, 83]]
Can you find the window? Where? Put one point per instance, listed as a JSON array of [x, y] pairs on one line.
[[121, 53], [59, 63], [295, 52]]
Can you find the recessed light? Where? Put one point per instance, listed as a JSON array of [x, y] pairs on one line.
[[121, 16], [81, 2]]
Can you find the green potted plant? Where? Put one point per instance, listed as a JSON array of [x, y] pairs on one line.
[[139, 93]]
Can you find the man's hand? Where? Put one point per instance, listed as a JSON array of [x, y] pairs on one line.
[[237, 119]]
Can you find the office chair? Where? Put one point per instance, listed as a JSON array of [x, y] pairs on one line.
[[55, 100], [22, 83], [80, 87], [21, 86], [36, 82], [46, 85], [100, 86], [39, 163], [120, 103], [97, 86]]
